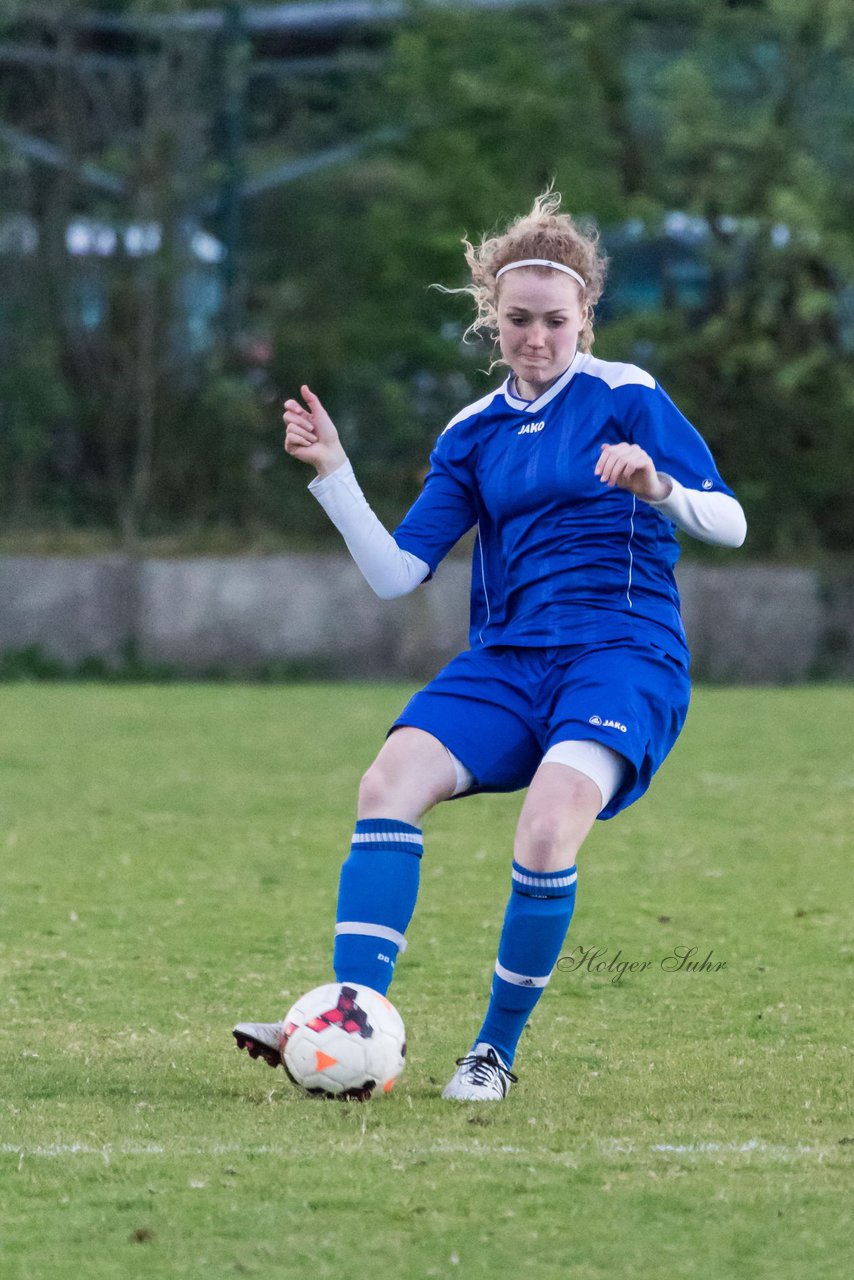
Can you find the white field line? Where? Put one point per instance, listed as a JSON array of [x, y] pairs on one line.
[[740, 1148], [611, 1148]]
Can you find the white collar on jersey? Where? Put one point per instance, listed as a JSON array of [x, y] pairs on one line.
[[533, 406]]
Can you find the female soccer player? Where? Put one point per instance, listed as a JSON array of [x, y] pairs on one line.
[[575, 473]]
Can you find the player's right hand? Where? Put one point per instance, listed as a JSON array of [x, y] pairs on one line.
[[310, 434]]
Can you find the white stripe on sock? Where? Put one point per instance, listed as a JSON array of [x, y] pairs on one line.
[[372, 931], [520, 979], [387, 837], [559, 882]]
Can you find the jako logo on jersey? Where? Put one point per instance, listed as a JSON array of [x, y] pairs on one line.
[[530, 428], [608, 724]]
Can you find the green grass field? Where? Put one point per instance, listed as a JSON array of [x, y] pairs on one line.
[[170, 864]]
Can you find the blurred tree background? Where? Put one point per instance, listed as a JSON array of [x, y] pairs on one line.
[[203, 207]]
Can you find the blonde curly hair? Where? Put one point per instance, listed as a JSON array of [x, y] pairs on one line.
[[544, 232]]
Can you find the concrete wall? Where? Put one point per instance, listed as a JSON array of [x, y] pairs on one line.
[[745, 623]]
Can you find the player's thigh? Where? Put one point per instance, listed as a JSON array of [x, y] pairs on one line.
[[479, 706], [412, 772], [559, 809], [631, 698]]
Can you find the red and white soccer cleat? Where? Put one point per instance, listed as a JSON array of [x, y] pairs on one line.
[[260, 1040]]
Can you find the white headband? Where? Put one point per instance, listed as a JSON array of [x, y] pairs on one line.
[[542, 262]]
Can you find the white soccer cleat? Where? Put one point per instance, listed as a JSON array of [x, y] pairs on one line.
[[481, 1076], [260, 1040]]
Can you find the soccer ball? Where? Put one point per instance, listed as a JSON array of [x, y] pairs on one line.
[[343, 1041]]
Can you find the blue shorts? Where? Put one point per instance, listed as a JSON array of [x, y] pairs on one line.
[[500, 709]]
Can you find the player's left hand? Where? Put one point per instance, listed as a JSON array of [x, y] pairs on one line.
[[630, 467]]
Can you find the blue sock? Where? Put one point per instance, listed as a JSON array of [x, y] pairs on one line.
[[535, 925], [376, 898]]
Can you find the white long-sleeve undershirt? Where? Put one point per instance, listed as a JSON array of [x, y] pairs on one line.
[[390, 571], [716, 518], [387, 568]]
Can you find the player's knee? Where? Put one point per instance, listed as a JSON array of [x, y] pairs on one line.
[[390, 792], [377, 788], [542, 839], [550, 835], [412, 773]]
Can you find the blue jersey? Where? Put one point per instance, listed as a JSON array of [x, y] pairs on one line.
[[560, 558]]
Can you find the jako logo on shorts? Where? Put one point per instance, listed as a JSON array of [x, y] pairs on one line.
[[608, 724]]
